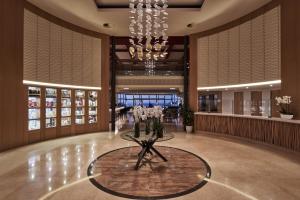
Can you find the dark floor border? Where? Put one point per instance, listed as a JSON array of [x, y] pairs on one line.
[[193, 189]]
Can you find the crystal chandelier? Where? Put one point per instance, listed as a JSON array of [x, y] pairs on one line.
[[148, 29], [150, 66]]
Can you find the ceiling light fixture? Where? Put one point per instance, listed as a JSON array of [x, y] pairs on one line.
[[247, 85], [106, 25], [26, 82], [148, 29]]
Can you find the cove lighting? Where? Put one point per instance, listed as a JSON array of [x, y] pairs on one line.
[[59, 85], [246, 85]]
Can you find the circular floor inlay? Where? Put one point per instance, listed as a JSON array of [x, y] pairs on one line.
[[183, 173]]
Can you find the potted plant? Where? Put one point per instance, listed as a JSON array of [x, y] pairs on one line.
[[188, 120], [284, 104]]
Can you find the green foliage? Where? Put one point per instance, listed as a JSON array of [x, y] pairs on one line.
[[188, 117], [148, 128], [158, 128], [137, 130]]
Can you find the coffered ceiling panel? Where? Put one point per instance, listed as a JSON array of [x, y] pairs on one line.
[[212, 13]]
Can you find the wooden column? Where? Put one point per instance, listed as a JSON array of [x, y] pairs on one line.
[[186, 72], [113, 84], [193, 93], [12, 108], [290, 50]]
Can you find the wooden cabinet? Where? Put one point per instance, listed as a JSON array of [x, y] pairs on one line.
[[56, 112]]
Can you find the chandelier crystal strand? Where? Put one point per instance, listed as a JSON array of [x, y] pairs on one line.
[[148, 29]]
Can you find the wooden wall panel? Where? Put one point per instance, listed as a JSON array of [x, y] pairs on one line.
[[253, 51], [272, 44], [282, 134], [11, 74], [62, 55], [87, 60], [96, 62], [67, 52], [43, 51], [245, 52], [274, 107], [55, 53], [202, 61], [256, 103], [258, 50], [35, 39], [238, 103], [234, 56], [213, 60], [223, 58], [30, 46], [77, 59], [193, 72], [105, 77]]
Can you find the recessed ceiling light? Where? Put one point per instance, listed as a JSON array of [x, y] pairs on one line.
[[190, 25], [126, 88], [172, 88], [247, 85], [106, 25], [26, 82]]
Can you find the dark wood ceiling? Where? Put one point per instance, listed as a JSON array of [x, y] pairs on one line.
[[106, 4], [172, 62]]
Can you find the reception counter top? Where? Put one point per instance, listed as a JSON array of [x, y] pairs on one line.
[[250, 117], [275, 131]]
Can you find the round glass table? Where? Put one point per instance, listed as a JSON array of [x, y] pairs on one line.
[[146, 141], [143, 136]]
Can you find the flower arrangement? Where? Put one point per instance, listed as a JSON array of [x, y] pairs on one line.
[[150, 116], [284, 103], [142, 113]]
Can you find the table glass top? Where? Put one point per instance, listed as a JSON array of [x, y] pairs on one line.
[[143, 136]]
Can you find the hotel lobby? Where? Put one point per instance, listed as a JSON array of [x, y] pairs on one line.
[[150, 99]]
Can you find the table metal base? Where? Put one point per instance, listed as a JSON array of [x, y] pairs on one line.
[[147, 148]]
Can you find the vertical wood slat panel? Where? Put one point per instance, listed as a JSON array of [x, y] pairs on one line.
[[77, 59], [223, 58], [258, 50], [58, 55], [67, 52], [30, 46], [55, 53], [245, 53], [272, 44], [254, 52], [87, 60], [213, 60], [283, 134], [234, 55], [202, 56], [43, 51], [96, 62]]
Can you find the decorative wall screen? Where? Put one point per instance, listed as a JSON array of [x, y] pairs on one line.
[[246, 53], [55, 54]]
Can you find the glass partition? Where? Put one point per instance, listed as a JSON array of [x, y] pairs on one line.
[[34, 108], [51, 102], [66, 107], [93, 107], [79, 107]]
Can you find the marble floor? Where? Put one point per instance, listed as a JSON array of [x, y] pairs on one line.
[[57, 169]]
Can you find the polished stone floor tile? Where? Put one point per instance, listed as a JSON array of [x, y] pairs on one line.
[[57, 169]]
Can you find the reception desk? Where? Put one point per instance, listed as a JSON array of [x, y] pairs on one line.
[[276, 131]]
